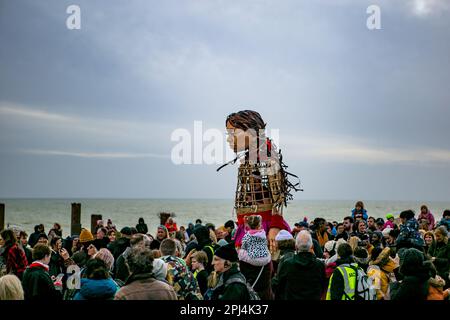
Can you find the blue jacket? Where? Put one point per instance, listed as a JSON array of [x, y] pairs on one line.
[[90, 289], [365, 216]]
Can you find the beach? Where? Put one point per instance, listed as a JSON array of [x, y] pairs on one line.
[[26, 213]]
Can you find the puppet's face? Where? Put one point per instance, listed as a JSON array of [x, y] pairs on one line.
[[238, 139]]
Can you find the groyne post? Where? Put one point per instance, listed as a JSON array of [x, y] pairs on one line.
[[75, 226], [2, 216]]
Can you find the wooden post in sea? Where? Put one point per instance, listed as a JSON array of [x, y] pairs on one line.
[[2, 216], [94, 219], [75, 226], [163, 217]]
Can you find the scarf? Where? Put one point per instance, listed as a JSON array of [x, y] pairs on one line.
[[322, 239]]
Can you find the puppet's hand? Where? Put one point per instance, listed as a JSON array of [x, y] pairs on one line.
[[271, 237]]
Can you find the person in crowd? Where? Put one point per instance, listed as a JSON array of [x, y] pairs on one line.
[[359, 213], [286, 249], [23, 244], [96, 283], [56, 264], [122, 271], [190, 229], [43, 239], [361, 257], [86, 239], [344, 273], [141, 227], [409, 236], [230, 226], [426, 214], [198, 261], [361, 232], [185, 234], [429, 239], [122, 242], [36, 282], [440, 253], [231, 283], [142, 284], [106, 256], [14, 257], [221, 233], [11, 288], [303, 276], [178, 274], [348, 226], [379, 224], [376, 239], [38, 229], [435, 284], [371, 226], [382, 271], [112, 236], [171, 225], [198, 221], [204, 243], [320, 232], [161, 234], [389, 221], [414, 285], [56, 230], [255, 260], [340, 232], [101, 240], [445, 221]]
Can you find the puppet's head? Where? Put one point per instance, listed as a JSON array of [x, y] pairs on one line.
[[243, 129]]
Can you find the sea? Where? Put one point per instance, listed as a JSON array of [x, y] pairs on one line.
[[26, 213]]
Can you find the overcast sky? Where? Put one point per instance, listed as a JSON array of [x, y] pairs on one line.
[[361, 114]]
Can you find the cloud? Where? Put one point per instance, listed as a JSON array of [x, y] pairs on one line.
[[351, 150], [99, 155], [426, 7]]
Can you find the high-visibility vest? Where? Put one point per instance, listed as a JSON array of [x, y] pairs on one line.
[[349, 276]]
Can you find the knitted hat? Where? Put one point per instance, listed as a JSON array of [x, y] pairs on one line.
[[330, 246], [106, 256], [227, 252], [283, 235], [86, 236]]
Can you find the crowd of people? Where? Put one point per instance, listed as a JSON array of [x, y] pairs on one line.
[[359, 258]]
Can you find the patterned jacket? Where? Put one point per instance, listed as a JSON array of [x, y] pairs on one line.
[[182, 280]]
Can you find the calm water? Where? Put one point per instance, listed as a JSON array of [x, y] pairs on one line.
[[26, 213]]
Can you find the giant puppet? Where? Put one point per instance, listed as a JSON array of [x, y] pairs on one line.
[[263, 187]]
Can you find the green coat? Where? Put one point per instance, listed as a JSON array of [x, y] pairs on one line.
[[441, 251]]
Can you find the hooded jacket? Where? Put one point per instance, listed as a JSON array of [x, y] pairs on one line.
[[91, 289], [301, 278]]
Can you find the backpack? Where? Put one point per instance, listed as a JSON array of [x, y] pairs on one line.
[[251, 292], [364, 289]]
